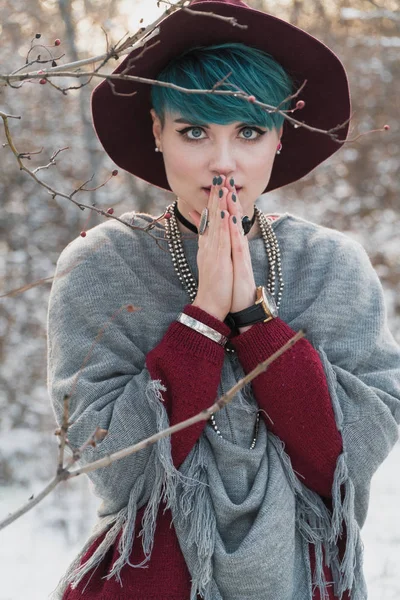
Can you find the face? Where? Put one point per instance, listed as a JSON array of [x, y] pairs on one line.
[[194, 154]]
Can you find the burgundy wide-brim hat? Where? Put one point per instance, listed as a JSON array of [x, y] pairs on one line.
[[124, 125]]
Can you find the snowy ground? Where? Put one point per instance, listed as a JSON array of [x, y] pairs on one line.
[[35, 550]]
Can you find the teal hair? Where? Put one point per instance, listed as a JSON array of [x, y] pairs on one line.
[[253, 71]]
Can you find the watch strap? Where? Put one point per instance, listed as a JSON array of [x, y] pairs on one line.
[[249, 316]]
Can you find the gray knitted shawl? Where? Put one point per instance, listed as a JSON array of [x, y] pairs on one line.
[[244, 520]]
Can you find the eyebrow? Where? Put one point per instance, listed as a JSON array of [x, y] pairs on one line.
[[181, 120]]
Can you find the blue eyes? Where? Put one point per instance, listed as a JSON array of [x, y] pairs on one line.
[[196, 138]]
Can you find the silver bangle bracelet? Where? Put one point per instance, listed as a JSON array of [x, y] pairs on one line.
[[209, 332]]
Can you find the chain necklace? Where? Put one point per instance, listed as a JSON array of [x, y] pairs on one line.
[[188, 280], [185, 274]]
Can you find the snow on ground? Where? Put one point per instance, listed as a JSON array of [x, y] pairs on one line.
[[36, 549]]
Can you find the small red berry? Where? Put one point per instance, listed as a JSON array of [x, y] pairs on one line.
[[386, 127], [251, 98], [115, 173], [300, 104], [130, 308], [42, 81], [57, 42], [83, 234], [167, 215], [110, 211]]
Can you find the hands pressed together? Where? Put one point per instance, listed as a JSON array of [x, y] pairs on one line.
[[226, 279]]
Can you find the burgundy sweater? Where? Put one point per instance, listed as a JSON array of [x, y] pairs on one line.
[[294, 393]]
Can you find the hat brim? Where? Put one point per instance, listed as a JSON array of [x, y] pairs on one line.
[[124, 125]]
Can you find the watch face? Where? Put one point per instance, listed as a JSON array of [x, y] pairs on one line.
[[269, 300]]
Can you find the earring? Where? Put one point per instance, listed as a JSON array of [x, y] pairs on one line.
[[279, 148], [157, 149]]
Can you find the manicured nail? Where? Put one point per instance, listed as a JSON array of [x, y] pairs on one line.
[[219, 180], [220, 193], [234, 219], [232, 182], [222, 214], [215, 180], [234, 197]]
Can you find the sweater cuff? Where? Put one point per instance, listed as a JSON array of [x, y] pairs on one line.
[[185, 339], [260, 341]]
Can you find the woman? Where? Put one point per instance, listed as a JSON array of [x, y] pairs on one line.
[[266, 500]]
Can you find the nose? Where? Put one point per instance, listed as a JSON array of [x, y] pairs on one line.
[[222, 160]]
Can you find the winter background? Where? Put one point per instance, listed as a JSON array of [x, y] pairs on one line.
[[356, 191]]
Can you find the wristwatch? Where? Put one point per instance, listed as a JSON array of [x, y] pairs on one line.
[[263, 310]]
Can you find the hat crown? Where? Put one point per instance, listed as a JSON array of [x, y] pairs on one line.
[[233, 2], [130, 141]]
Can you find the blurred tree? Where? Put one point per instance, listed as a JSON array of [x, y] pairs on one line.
[[356, 191]]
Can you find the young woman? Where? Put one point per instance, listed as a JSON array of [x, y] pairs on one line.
[[266, 499]]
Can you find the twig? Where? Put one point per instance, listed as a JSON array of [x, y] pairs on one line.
[[132, 43], [64, 474], [204, 415], [267, 107], [54, 193], [52, 162]]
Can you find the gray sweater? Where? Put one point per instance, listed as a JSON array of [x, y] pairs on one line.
[[331, 291]]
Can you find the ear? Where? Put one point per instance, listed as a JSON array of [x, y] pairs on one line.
[[156, 126], [280, 132]]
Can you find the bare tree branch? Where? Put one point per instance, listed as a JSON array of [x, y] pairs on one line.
[[64, 474]]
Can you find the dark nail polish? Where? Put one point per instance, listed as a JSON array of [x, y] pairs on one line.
[[215, 180], [220, 193], [234, 219], [222, 214], [219, 180], [232, 182], [234, 197]]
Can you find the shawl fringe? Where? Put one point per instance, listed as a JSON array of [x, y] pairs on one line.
[[164, 480], [196, 508], [320, 527], [188, 497]]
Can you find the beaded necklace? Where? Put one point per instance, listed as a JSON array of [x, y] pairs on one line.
[[188, 280]]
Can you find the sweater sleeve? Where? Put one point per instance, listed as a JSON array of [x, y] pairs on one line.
[[97, 351], [336, 297], [294, 393], [189, 366]]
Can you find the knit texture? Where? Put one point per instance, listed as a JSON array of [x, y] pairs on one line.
[[167, 569], [113, 267]]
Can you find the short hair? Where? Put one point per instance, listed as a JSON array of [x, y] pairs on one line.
[[253, 71]]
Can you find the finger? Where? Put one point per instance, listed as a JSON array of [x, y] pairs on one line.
[[241, 258], [214, 198], [237, 238], [223, 200], [218, 203], [234, 206], [212, 205], [224, 241]]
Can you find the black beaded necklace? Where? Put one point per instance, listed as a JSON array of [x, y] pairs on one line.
[[247, 223]]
